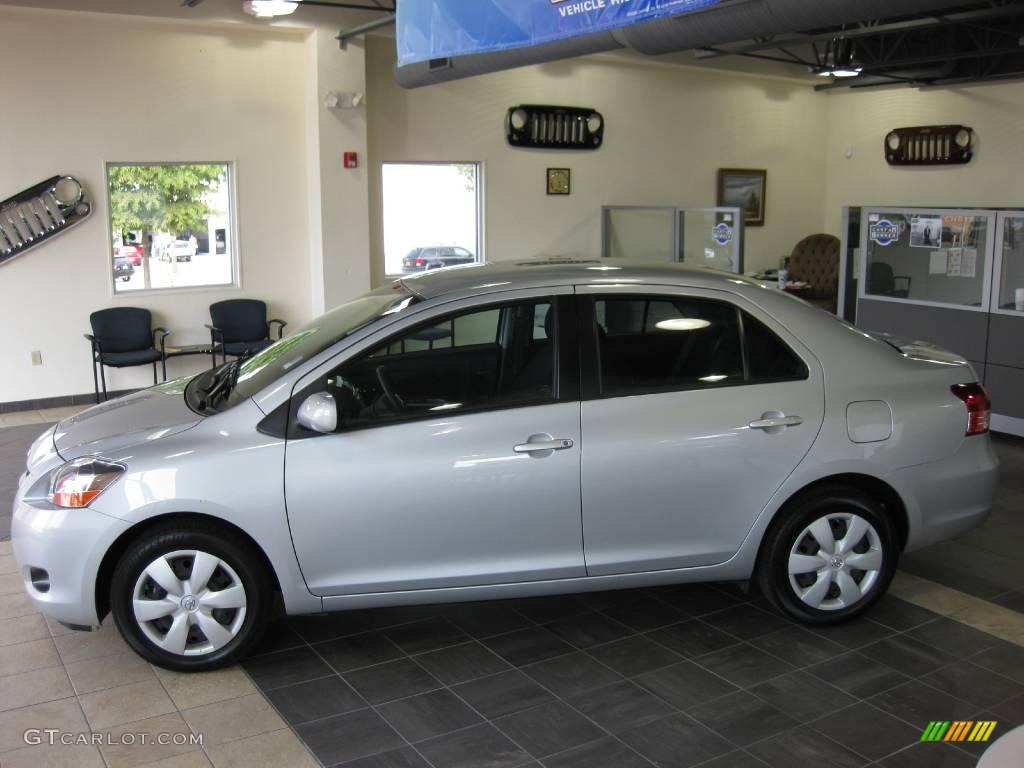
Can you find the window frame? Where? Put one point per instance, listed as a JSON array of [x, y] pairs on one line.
[[590, 361], [232, 230], [480, 219], [566, 368]]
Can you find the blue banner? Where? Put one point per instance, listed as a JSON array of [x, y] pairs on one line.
[[436, 29]]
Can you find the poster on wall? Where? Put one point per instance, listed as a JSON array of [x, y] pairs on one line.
[[969, 263], [436, 29], [955, 263], [925, 232]]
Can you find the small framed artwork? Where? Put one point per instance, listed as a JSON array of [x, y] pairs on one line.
[[559, 181], [744, 188]]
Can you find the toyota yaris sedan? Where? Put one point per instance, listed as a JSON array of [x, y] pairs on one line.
[[502, 431]]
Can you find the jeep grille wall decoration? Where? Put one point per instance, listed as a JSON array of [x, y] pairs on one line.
[[38, 213], [929, 145], [544, 127]]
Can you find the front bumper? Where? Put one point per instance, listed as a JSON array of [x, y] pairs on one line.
[[69, 545], [949, 497]]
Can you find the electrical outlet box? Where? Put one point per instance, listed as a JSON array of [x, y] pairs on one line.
[[37, 357]]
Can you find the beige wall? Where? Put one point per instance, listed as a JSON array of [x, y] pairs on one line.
[[669, 130], [82, 90], [860, 119], [309, 232]]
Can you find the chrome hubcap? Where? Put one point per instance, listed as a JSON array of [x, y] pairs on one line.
[[835, 561], [189, 602]]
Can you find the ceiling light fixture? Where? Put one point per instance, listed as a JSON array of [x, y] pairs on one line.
[[265, 9], [839, 59], [683, 324]]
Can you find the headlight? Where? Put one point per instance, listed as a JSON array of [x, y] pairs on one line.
[[78, 483]]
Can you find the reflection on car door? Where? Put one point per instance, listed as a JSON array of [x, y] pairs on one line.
[[685, 414], [472, 479]]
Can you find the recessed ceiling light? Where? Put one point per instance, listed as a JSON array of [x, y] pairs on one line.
[[266, 9], [683, 324]]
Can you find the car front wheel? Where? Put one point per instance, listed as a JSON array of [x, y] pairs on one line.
[[830, 557], [190, 597]]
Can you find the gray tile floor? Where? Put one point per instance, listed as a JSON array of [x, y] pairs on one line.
[[693, 676]]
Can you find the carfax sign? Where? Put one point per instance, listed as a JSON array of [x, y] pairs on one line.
[[437, 29]]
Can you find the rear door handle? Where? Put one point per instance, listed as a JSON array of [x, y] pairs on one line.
[[555, 444], [776, 422]]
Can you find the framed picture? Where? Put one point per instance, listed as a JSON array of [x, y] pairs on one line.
[[744, 188], [559, 181]]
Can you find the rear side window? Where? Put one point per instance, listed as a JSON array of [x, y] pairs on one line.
[[768, 356], [652, 344]]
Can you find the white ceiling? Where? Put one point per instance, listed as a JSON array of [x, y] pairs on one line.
[[209, 11]]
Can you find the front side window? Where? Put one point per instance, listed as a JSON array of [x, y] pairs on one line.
[[225, 386], [431, 215], [652, 344], [475, 360], [171, 226]]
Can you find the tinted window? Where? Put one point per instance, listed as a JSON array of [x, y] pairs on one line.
[[657, 344], [768, 357], [653, 344], [477, 360]]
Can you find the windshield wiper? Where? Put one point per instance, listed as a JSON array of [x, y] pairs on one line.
[[223, 382]]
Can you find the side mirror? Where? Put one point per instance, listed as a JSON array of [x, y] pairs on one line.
[[319, 413]]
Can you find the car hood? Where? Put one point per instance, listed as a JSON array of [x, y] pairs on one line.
[[137, 418]]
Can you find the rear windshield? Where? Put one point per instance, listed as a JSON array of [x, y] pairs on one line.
[[263, 369]]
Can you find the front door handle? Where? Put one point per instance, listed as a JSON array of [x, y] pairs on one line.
[[553, 444]]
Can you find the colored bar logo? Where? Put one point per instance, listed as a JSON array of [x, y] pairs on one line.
[[959, 730]]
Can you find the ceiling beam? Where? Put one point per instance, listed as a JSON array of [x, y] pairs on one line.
[[864, 31]]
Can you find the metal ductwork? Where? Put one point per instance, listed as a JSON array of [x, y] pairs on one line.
[[721, 24], [760, 18]]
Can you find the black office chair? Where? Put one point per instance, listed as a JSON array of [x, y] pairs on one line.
[[882, 281], [123, 337], [240, 327]]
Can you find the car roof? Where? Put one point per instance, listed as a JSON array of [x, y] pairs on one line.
[[535, 273]]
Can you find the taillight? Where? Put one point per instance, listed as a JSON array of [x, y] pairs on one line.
[[420, 261], [979, 406]]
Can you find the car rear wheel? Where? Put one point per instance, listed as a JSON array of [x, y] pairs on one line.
[[829, 557], [190, 597]]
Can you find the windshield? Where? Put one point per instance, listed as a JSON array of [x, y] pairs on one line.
[[225, 386]]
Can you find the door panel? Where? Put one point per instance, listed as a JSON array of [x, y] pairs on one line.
[[434, 479], [439, 503], [674, 479]]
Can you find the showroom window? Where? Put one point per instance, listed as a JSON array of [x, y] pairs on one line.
[[470, 361], [662, 344], [431, 216], [171, 225]]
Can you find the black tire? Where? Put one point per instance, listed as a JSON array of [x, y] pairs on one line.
[[773, 576], [205, 537]]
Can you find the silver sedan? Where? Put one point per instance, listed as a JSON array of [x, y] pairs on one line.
[[501, 431]]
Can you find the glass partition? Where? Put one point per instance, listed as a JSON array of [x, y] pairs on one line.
[[709, 237], [640, 233], [928, 256], [699, 237], [1010, 257]]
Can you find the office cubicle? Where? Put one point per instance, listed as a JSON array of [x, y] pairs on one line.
[[951, 276]]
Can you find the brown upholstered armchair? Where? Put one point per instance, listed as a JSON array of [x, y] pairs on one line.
[[815, 260]]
